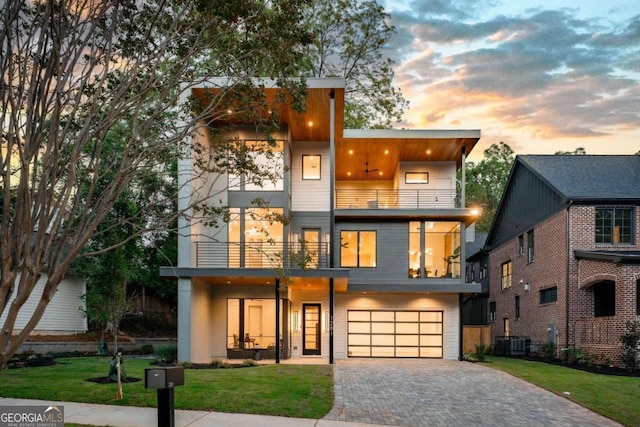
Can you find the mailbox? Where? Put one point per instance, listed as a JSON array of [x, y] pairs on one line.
[[164, 377]]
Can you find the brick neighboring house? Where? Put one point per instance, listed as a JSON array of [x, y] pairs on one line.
[[564, 252]]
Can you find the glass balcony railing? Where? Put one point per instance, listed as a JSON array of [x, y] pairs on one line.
[[396, 199], [261, 254]]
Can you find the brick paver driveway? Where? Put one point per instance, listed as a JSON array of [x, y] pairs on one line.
[[447, 393]]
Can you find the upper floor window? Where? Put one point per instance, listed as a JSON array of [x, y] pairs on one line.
[[358, 248], [263, 164], [416, 177], [517, 302], [521, 245], [530, 246], [434, 249], [483, 270], [614, 225], [548, 295], [255, 237], [506, 275], [310, 166], [492, 311]]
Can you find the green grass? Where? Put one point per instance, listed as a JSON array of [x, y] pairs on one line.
[[304, 391], [614, 397]]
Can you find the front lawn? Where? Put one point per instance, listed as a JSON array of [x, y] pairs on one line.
[[615, 397], [304, 391]]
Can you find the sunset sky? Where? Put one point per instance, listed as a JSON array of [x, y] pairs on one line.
[[541, 76]]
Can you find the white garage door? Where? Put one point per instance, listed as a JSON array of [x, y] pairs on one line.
[[394, 333]]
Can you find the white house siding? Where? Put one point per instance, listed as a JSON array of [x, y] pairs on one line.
[[310, 195], [442, 176], [446, 303], [202, 325], [65, 312]]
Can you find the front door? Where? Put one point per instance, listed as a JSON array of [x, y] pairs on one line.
[[311, 329]]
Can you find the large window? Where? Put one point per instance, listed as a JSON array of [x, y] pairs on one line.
[[548, 295], [530, 246], [267, 160], [358, 249], [614, 226], [434, 249], [310, 166], [256, 237], [506, 275], [604, 299], [251, 323]]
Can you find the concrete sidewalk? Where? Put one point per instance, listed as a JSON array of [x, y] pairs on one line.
[[129, 416]]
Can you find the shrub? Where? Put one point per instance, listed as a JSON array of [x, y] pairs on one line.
[[481, 350], [166, 354], [248, 363], [548, 350], [575, 355], [146, 349], [220, 364], [630, 340]]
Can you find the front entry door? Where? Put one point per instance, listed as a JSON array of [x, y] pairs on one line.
[[311, 329]]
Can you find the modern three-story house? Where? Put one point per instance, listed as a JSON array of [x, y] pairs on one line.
[[368, 262]]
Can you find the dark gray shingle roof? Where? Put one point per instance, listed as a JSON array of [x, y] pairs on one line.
[[587, 176]]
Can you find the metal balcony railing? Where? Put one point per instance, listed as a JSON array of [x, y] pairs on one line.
[[261, 254], [396, 199]]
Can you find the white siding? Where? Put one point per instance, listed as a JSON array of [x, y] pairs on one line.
[[446, 303], [310, 195], [64, 312]]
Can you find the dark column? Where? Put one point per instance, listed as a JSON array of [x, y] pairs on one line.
[[166, 413], [277, 320], [331, 292]]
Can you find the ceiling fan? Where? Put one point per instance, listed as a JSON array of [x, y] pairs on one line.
[[366, 168]]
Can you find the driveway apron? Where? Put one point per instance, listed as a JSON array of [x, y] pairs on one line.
[[417, 392]]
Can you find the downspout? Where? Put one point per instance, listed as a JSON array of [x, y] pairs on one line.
[[332, 216], [568, 227]]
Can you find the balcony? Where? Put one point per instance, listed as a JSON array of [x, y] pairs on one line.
[[261, 254], [396, 199]]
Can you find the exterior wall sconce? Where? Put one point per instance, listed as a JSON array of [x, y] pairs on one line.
[[295, 321], [325, 323], [526, 286]]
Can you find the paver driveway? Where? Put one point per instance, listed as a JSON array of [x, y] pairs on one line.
[[447, 393]]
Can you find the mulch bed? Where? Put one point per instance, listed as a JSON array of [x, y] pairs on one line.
[[106, 380], [593, 368]]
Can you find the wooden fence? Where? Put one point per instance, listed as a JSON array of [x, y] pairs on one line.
[[474, 335]]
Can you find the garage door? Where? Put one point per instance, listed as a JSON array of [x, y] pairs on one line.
[[394, 333]]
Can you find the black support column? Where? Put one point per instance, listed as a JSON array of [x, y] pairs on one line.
[[277, 320]]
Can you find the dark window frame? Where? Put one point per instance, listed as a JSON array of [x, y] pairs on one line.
[[319, 167], [492, 311], [530, 246], [548, 295], [607, 219], [521, 244], [506, 276], [408, 181], [517, 306], [375, 260]]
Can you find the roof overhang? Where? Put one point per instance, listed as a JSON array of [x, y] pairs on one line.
[[617, 257]]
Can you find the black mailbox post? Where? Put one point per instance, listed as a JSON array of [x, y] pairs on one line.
[[164, 379]]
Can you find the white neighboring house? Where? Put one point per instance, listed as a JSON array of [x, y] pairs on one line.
[[63, 315]]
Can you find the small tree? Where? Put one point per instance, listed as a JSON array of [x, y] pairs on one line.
[[630, 341]]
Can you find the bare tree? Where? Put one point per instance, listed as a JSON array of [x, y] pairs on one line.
[[74, 71]]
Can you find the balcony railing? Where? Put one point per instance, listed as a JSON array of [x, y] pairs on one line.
[[264, 254], [396, 199]]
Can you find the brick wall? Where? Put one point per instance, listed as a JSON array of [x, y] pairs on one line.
[[601, 335], [546, 271]]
